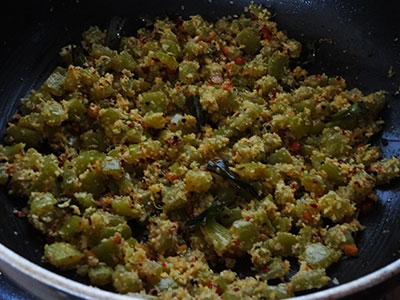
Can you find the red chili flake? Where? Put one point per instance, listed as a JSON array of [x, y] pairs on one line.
[[314, 205], [90, 255], [19, 214], [237, 243], [210, 284], [338, 78], [10, 170], [225, 50], [344, 133], [171, 176], [308, 216], [263, 237], [192, 265], [314, 180], [117, 240], [69, 167], [248, 218], [266, 270], [357, 183], [239, 61], [174, 141], [227, 86], [266, 33], [216, 79], [340, 161], [379, 168], [131, 125], [164, 265], [294, 147], [61, 162], [318, 77], [219, 290], [293, 185]]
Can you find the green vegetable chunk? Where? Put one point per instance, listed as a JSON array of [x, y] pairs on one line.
[[309, 279], [250, 40], [62, 255], [320, 256], [101, 275], [41, 203], [126, 281], [217, 235]]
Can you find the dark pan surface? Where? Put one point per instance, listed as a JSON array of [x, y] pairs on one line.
[[354, 39]]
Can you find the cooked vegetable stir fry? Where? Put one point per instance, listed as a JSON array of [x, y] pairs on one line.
[[156, 163]]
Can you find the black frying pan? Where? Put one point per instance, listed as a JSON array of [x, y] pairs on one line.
[[354, 39]]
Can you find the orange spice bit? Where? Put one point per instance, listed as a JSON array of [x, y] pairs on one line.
[[294, 147], [181, 249], [266, 33], [210, 37], [308, 216], [227, 86], [171, 176], [117, 240], [225, 50], [93, 111], [239, 61], [350, 250]]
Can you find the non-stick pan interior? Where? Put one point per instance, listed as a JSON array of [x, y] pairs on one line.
[[354, 39]]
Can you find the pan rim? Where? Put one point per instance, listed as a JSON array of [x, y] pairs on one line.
[[13, 260]]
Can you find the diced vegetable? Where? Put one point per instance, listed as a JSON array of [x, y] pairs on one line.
[[250, 40], [217, 235], [101, 275], [309, 279], [126, 281], [62, 255]]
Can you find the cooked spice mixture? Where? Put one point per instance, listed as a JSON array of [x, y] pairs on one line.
[[156, 164]]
